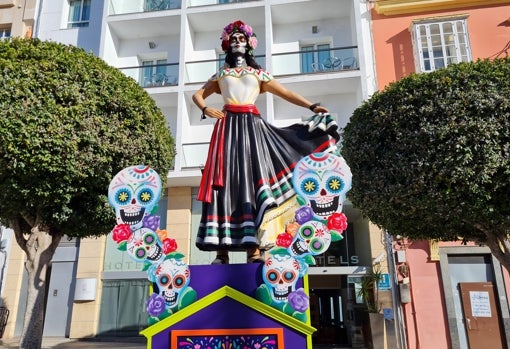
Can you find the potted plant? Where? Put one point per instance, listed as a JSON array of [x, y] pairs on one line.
[[369, 293]]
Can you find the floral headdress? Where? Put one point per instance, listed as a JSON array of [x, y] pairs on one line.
[[239, 27]]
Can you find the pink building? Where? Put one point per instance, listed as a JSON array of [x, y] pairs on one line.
[[452, 296]]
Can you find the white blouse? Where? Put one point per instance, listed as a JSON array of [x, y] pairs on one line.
[[241, 85]]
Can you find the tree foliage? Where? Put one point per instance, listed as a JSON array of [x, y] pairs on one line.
[[430, 154], [68, 124]]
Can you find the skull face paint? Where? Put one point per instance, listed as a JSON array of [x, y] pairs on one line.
[[312, 238], [281, 273], [133, 193], [144, 246], [172, 277], [238, 43], [322, 179]]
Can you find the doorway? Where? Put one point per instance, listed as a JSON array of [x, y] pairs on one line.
[[473, 288], [481, 315], [327, 316]]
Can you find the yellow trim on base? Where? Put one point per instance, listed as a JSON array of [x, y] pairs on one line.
[[227, 291]]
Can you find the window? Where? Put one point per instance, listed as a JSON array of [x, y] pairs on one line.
[[439, 43], [313, 57], [79, 13], [154, 73], [221, 60], [5, 33]]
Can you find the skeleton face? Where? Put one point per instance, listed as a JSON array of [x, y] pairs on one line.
[[172, 277], [144, 245], [322, 179], [312, 238], [133, 193], [238, 43], [280, 273]]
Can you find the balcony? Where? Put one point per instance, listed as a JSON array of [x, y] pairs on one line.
[[316, 61], [334, 60], [120, 7], [194, 3], [289, 63], [154, 75]]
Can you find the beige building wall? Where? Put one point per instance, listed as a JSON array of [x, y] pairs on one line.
[[12, 286], [18, 16], [378, 251], [178, 221], [85, 315]]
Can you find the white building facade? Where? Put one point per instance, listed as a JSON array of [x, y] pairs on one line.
[[321, 49]]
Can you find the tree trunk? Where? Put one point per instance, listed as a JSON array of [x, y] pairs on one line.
[[498, 244], [39, 246]]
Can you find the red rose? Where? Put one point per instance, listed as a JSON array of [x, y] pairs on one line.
[[121, 232], [338, 222], [169, 245], [284, 239]]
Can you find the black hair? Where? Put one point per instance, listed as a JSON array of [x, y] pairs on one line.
[[231, 59]]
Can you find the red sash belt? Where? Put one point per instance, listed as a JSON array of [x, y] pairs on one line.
[[213, 175], [241, 108]]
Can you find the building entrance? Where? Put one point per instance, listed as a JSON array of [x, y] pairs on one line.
[[335, 312]]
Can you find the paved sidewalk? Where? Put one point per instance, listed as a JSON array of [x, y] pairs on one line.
[[85, 343]]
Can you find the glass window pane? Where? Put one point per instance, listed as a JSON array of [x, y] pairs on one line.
[[85, 16], [307, 59], [447, 28], [324, 54], [74, 10]]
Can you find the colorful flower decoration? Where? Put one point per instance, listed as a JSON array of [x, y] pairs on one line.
[[338, 222], [299, 300], [239, 27], [156, 305], [284, 240], [121, 233]]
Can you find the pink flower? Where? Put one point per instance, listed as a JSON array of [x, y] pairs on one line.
[[253, 42]]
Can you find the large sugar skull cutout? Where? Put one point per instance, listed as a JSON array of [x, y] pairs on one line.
[[322, 179], [281, 273], [312, 238], [172, 277], [133, 193], [144, 246]]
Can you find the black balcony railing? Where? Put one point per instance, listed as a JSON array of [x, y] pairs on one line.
[[120, 7], [192, 3], [316, 61], [333, 60], [154, 75]]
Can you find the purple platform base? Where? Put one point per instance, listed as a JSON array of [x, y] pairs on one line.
[[226, 315]]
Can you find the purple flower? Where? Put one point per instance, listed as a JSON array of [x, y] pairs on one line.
[[303, 214], [151, 222], [156, 305], [298, 300]]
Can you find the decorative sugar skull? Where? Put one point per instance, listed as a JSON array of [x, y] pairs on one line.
[[281, 273], [133, 193], [322, 179], [172, 277], [144, 246], [312, 238]]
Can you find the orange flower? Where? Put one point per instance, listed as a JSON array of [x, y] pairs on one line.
[[162, 234], [292, 228]]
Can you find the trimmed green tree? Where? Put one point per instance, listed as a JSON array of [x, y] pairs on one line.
[[430, 155], [68, 123]]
